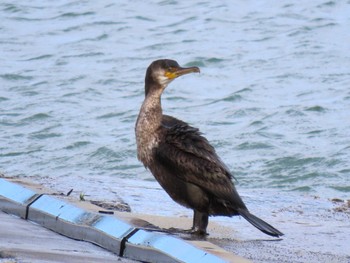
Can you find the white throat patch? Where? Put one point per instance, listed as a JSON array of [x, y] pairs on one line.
[[161, 78]]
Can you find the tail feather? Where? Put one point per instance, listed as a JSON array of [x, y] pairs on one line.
[[260, 224]]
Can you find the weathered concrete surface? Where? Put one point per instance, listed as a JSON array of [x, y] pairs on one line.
[[23, 241], [315, 229], [138, 220]]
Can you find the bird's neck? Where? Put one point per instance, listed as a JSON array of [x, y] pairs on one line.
[[151, 109], [148, 122]]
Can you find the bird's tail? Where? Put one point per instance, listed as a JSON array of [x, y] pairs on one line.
[[260, 224]]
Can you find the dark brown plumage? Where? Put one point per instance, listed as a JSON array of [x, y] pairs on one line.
[[182, 160]]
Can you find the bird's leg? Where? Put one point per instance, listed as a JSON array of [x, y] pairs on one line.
[[200, 223]]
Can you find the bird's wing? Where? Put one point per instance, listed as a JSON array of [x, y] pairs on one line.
[[190, 157]]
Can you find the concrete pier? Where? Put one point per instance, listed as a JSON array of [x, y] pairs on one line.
[[31, 211]]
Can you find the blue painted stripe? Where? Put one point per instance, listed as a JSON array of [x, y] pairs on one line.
[[174, 247], [58, 208], [15, 192], [113, 227]]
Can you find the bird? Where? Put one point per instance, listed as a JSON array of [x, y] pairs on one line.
[[182, 160]]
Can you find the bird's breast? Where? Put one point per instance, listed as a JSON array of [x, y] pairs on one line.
[[147, 139], [147, 128], [145, 149]]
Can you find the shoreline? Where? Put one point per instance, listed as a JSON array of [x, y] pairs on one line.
[[308, 223], [60, 213]]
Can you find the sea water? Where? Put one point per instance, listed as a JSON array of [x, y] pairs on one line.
[[273, 95]]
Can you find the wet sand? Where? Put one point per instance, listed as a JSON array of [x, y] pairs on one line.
[[316, 230]]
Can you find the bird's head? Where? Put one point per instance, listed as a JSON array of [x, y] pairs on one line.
[[161, 72]]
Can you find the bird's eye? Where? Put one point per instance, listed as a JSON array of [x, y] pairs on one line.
[[171, 69]]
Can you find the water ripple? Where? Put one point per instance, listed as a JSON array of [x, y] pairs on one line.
[[253, 146], [274, 83], [16, 77], [75, 14], [36, 117]]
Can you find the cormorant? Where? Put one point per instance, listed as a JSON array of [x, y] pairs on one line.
[[182, 160]]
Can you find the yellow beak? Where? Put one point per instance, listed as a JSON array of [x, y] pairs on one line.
[[177, 72]]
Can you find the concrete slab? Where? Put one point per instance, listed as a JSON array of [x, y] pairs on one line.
[[145, 245], [112, 233], [15, 198], [26, 242]]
